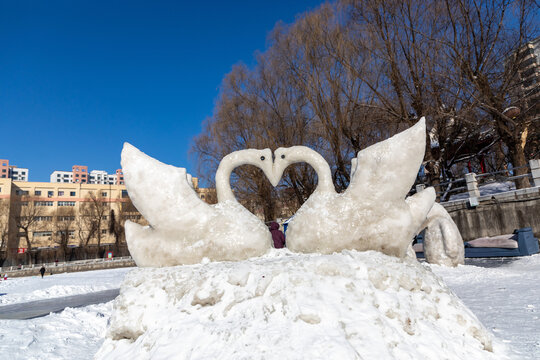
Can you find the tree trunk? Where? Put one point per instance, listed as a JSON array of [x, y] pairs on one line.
[[519, 163], [28, 247]]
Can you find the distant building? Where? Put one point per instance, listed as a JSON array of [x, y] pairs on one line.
[[79, 175], [59, 208], [12, 172], [529, 76]]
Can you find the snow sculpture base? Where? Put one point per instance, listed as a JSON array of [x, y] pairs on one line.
[[352, 305]]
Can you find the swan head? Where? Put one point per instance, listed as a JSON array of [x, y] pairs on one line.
[[284, 157], [259, 158], [263, 160]]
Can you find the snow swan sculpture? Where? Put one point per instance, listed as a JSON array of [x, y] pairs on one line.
[[183, 228], [372, 214]]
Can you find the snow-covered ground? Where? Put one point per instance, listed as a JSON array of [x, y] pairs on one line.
[[25, 289], [506, 299], [487, 189]]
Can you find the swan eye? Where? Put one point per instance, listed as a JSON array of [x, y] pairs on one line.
[[262, 158], [283, 156]]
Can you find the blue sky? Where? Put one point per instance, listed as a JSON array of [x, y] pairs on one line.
[[78, 78]]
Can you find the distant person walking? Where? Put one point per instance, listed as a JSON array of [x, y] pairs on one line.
[[277, 235], [42, 271]]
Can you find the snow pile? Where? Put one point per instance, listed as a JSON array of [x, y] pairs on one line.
[[353, 305], [71, 334], [17, 290]]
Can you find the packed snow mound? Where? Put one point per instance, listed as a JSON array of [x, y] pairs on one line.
[[351, 305]]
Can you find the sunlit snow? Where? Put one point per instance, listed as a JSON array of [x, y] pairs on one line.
[[505, 299]]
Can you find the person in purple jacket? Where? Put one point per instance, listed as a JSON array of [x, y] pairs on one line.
[[277, 235]]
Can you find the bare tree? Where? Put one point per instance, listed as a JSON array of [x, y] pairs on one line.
[[125, 210], [355, 72], [484, 42], [27, 215], [64, 222], [92, 213], [4, 230]]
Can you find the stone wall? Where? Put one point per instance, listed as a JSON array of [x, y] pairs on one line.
[[497, 214]]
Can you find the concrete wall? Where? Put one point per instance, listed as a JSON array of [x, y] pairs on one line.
[[497, 214]]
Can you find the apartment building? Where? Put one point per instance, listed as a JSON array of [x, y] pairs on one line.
[[529, 76], [50, 211], [79, 174], [12, 172]]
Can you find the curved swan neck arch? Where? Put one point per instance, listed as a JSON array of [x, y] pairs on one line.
[[320, 165], [225, 168]]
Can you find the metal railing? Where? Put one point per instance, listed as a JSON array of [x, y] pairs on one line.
[[63, 264], [472, 182]]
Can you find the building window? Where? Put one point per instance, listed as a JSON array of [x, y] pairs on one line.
[[42, 233], [125, 194], [60, 193], [66, 203], [3, 170], [104, 194], [103, 231], [104, 217], [71, 233], [37, 192], [66, 218], [3, 176], [42, 218], [43, 203], [50, 193], [24, 203]]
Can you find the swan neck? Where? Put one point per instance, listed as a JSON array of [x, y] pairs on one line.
[[223, 176], [321, 167]]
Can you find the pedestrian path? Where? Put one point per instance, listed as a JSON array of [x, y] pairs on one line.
[[33, 309]]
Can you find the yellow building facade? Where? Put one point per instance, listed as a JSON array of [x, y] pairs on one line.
[[56, 215]]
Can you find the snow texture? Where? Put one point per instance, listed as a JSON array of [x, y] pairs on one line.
[[372, 214], [71, 334], [352, 305], [443, 244], [31, 288], [183, 228]]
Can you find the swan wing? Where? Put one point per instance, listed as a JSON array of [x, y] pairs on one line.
[[162, 193], [387, 170]]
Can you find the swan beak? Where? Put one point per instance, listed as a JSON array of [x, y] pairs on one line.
[[275, 177], [275, 181]]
